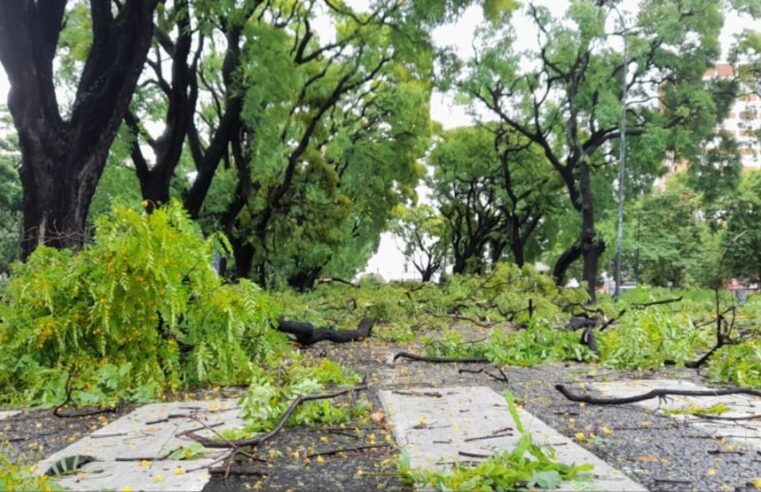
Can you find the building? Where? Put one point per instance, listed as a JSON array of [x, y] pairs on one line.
[[744, 119]]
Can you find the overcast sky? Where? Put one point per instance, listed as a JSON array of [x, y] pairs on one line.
[[389, 261]]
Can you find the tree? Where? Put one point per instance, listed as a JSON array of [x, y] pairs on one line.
[[565, 96], [64, 153], [423, 232], [493, 187], [671, 242], [742, 237], [10, 193]]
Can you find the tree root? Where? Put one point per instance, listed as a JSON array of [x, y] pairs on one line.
[[656, 393], [307, 334], [438, 360]]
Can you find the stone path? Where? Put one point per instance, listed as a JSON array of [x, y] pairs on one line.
[[437, 425], [746, 433], [4, 414], [131, 452]]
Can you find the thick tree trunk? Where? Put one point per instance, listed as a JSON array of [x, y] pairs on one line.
[[62, 160], [55, 199], [519, 255], [564, 262]]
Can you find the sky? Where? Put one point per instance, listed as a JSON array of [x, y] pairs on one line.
[[389, 261]]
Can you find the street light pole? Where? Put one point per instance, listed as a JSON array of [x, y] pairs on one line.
[[621, 163]]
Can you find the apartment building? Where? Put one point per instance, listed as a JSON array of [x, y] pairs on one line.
[[744, 119]]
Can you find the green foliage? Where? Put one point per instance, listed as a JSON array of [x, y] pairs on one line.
[[190, 452], [19, 477], [692, 409], [272, 391], [647, 339], [738, 364], [742, 238], [528, 466], [673, 241], [137, 312], [537, 344]]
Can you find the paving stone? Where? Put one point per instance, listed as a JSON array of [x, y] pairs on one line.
[[4, 414], [132, 450], [746, 433], [436, 425]]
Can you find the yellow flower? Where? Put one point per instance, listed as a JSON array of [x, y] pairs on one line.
[[179, 471], [126, 488], [711, 472], [158, 478], [580, 437], [145, 464], [320, 459], [756, 483], [606, 430]]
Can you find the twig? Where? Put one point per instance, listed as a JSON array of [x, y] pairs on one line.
[[253, 441], [168, 417], [730, 419], [492, 436], [656, 393], [348, 450], [502, 377], [472, 455], [438, 360], [432, 394]]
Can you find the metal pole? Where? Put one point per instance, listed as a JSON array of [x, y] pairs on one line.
[[621, 165]]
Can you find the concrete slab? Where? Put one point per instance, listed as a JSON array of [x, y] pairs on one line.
[[4, 414], [132, 451], [746, 432], [438, 425]]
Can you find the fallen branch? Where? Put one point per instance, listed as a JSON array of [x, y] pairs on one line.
[[256, 440], [82, 413], [438, 360], [308, 334], [656, 393], [238, 470]]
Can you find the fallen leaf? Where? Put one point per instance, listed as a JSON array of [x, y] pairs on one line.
[[648, 458]]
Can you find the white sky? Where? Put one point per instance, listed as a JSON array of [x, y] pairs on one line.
[[388, 261]]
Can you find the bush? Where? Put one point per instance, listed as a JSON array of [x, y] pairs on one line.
[[138, 312]]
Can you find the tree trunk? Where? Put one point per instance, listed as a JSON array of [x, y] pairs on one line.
[[55, 199], [564, 262], [591, 246], [62, 161], [518, 250]]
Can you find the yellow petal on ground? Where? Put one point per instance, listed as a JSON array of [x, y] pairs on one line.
[[179, 471], [145, 464], [126, 488], [580, 437], [606, 430], [320, 459], [756, 482], [158, 478], [711, 472]]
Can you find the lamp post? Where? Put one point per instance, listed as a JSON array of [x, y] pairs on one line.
[[621, 162]]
